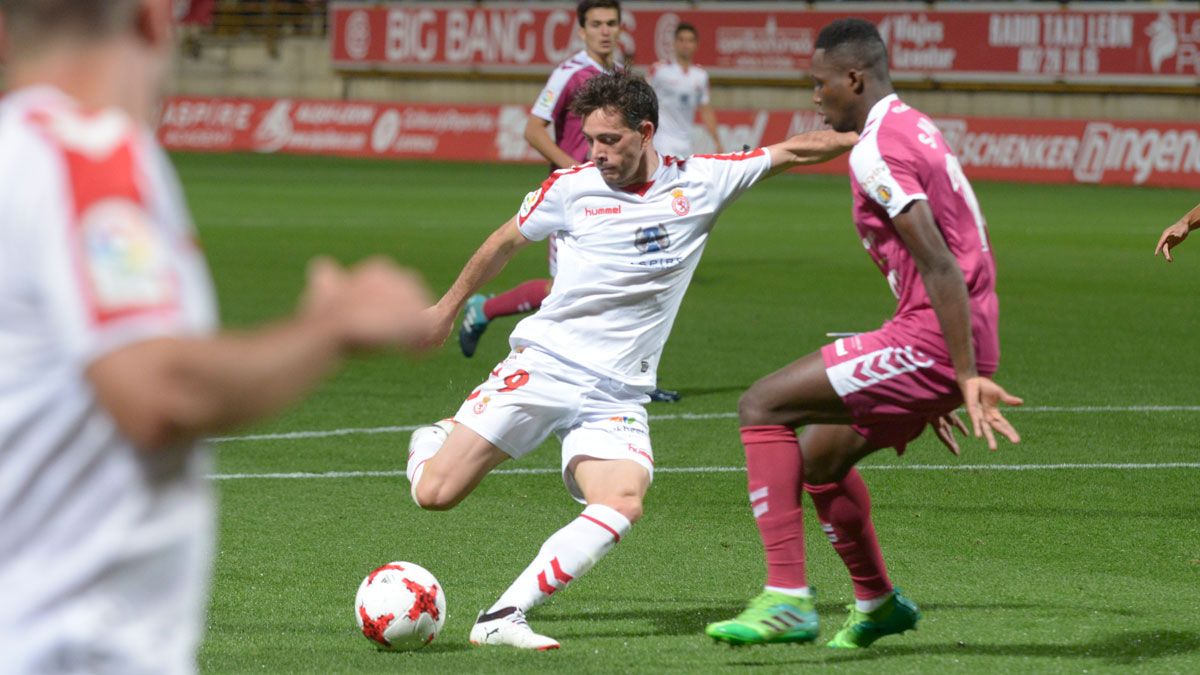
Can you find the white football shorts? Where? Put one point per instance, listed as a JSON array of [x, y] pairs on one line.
[[532, 394]]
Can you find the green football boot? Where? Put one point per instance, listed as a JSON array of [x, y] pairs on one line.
[[770, 618], [473, 324], [862, 629]]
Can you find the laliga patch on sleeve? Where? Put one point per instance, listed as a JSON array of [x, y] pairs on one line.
[[527, 206], [546, 100], [880, 185], [125, 262]]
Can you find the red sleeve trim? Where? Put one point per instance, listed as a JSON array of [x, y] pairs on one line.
[[546, 185], [737, 156]]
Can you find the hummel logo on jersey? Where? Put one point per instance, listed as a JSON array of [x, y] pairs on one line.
[[652, 239], [602, 211]]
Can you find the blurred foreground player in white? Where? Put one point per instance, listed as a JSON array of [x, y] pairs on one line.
[[682, 88], [109, 367], [631, 228]]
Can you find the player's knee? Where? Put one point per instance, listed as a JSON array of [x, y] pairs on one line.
[[432, 494], [629, 506], [754, 409], [821, 471]]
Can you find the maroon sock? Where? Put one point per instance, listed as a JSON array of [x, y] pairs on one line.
[[774, 475], [524, 298], [845, 512]]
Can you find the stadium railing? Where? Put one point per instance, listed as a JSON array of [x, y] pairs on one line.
[[268, 20]]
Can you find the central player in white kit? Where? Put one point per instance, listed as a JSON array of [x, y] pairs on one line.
[[682, 89], [631, 227]]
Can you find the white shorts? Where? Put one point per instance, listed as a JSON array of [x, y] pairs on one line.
[[532, 394]]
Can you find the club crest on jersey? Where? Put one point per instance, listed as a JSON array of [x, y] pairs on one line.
[[679, 203], [481, 405], [652, 239]]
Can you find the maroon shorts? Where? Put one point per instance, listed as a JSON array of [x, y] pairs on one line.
[[892, 389]]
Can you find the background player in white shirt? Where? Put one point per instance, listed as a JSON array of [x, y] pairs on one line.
[[631, 230], [682, 89], [109, 367]]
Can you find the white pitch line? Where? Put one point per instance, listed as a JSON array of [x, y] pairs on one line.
[[290, 435], [738, 469]]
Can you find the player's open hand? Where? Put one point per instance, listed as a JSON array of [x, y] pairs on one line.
[[982, 398], [373, 304], [944, 427], [1171, 237]]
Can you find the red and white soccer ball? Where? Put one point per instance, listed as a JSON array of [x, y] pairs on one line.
[[400, 606]]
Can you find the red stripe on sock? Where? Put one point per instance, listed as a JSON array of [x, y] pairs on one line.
[[544, 585], [559, 573], [616, 537]]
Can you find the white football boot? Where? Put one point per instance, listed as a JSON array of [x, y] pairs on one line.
[[508, 627], [424, 444]]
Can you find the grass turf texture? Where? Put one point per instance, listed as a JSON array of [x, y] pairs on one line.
[[1044, 570]]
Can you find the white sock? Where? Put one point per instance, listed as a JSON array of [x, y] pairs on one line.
[[565, 556], [802, 592], [872, 604], [425, 443]]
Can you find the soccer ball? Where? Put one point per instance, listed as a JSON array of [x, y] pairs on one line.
[[400, 606]]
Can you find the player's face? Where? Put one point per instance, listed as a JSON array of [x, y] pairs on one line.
[[601, 28], [832, 92], [685, 45], [616, 149]]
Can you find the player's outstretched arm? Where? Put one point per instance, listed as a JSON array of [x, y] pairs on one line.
[[483, 266], [1177, 232], [947, 291], [810, 147], [164, 392]]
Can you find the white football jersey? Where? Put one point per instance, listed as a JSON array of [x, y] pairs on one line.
[[625, 257], [680, 93], [105, 551]]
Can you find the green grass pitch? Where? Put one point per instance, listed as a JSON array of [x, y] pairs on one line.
[[1075, 569]]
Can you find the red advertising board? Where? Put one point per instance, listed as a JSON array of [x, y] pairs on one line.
[[1025, 150], [195, 11], [1130, 43]]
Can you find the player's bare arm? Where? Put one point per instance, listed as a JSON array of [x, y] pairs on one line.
[[1177, 232], [167, 391], [483, 266], [537, 135], [948, 294], [708, 117], [810, 147]]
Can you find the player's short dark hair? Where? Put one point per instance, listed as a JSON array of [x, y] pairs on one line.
[[582, 8], [621, 91], [856, 42], [685, 26], [29, 23]]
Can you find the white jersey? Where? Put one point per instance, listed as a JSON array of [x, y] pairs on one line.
[[104, 550], [625, 257], [680, 93]]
